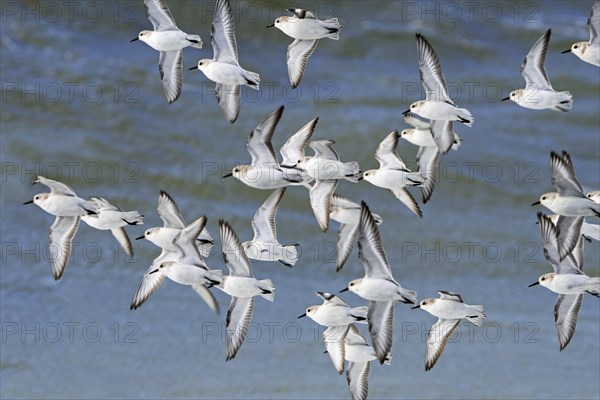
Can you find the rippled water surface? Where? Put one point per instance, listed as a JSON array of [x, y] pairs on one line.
[[83, 105]]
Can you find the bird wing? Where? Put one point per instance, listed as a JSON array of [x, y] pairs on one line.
[[61, 236], [370, 250], [169, 212], [263, 222], [430, 71], [223, 39], [170, 68], [55, 187], [386, 153], [563, 175], [297, 57], [293, 149], [238, 319], [566, 311], [437, 338], [381, 322], [233, 252], [159, 15], [533, 69], [259, 141], [320, 201]]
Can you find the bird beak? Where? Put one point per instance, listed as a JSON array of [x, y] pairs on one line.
[[566, 51], [302, 316], [270, 26], [504, 99], [344, 290], [141, 237], [360, 178], [190, 69], [134, 39], [406, 112], [536, 203], [151, 272], [417, 306], [534, 283], [227, 175], [28, 202]]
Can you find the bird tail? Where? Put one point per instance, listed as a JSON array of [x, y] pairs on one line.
[[334, 27], [351, 171], [253, 80], [360, 313], [410, 296], [566, 102], [594, 286], [195, 40], [267, 288], [415, 178], [465, 116], [134, 218], [290, 254], [215, 276], [478, 317]]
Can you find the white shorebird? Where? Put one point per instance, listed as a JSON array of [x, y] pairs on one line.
[[569, 199], [567, 280], [306, 30], [264, 172], [437, 104], [224, 69], [173, 223], [335, 312], [325, 164], [241, 285], [347, 213], [589, 51], [450, 310], [111, 217], [183, 265], [378, 285], [265, 246], [170, 41], [393, 173], [63, 203], [538, 93]]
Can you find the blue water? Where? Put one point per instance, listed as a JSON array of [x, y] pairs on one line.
[[83, 105]]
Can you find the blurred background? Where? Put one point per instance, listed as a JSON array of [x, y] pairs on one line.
[[82, 105]]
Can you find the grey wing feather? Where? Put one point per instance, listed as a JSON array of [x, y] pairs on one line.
[[405, 197], [533, 69], [443, 134], [428, 165], [238, 318], [293, 149], [207, 296], [169, 66], [357, 376], [347, 238], [297, 57], [568, 231], [259, 143], [61, 236], [228, 96], [223, 39], [169, 212], [550, 245], [381, 322], [436, 340], [370, 249], [123, 239], [55, 187], [594, 23], [233, 252], [563, 175], [566, 311], [159, 15], [151, 281], [430, 71], [450, 296], [324, 149], [320, 200], [334, 339], [416, 121], [263, 222], [386, 153]]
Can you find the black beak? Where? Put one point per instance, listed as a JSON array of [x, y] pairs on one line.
[[406, 112], [418, 306], [151, 272], [28, 202], [227, 175], [506, 98], [270, 26], [344, 290], [190, 69], [360, 178], [302, 316], [566, 51], [534, 283], [141, 237], [536, 203], [134, 39]]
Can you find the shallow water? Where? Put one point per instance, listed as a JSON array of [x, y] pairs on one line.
[[83, 105]]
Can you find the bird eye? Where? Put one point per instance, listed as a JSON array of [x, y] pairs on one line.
[[576, 46], [277, 21], [236, 170], [543, 197], [351, 283]]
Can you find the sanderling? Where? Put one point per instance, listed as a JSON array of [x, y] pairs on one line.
[[567, 280], [111, 217], [264, 171], [449, 309], [430, 133], [173, 223], [335, 312], [224, 69], [169, 40], [437, 104], [569, 200], [265, 246], [306, 30], [393, 173], [378, 285], [241, 285], [589, 51], [63, 203], [325, 164], [538, 93], [347, 213], [183, 265]]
